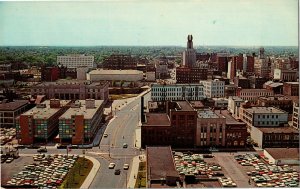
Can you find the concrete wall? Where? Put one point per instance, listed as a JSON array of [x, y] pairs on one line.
[[256, 135]]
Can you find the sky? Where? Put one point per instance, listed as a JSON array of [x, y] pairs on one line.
[[149, 23]]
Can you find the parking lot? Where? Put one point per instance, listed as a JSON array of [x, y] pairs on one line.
[[40, 170]]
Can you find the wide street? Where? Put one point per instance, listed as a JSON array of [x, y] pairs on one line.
[[111, 149]]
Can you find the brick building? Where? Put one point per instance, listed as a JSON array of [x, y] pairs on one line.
[[10, 110], [72, 90], [80, 122], [190, 75], [291, 89], [282, 102], [253, 94], [119, 62], [242, 82], [176, 127], [40, 123]]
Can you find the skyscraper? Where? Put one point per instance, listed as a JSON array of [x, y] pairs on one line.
[[189, 55]]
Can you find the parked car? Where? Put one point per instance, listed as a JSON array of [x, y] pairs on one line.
[[42, 150], [105, 135], [9, 160], [117, 172], [60, 146], [125, 145], [126, 166], [111, 165]]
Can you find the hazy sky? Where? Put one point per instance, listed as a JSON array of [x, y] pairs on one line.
[[211, 22]]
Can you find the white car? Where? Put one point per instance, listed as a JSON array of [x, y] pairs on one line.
[[111, 165], [126, 166]]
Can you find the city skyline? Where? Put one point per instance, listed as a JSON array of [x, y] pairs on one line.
[[144, 23]]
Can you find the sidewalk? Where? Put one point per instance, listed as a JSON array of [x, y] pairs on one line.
[[89, 179], [134, 170]]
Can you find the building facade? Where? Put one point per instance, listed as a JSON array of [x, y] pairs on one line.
[[161, 92], [11, 110], [234, 103], [263, 116], [296, 114], [79, 124], [291, 89], [253, 94], [190, 75], [210, 129], [115, 75], [72, 90], [282, 102], [213, 88], [41, 122], [119, 62], [76, 60], [285, 75]]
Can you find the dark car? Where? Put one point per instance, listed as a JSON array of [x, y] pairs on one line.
[[42, 150], [60, 146], [20, 147], [117, 172], [33, 147], [74, 147]]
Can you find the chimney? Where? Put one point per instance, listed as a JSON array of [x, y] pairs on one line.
[[54, 103]]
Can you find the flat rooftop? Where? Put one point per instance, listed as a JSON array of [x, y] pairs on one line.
[[229, 119], [72, 82], [278, 130], [47, 112], [115, 72], [11, 106], [283, 153], [88, 113], [207, 114], [236, 98], [177, 84], [160, 163], [265, 110], [281, 97], [197, 104], [157, 119], [184, 106]]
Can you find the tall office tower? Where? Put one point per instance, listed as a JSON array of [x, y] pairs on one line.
[[189, 55], [261, 53]]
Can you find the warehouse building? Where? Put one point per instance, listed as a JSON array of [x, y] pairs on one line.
[[115, 75], [282, 156]]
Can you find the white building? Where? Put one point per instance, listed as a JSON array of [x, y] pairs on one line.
[[234, 103], [282, 156], [161, 92], [213, 88], [263, 116], [115, 75], [76, 60]]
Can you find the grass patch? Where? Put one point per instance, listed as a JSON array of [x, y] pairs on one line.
[[77, 174], [141, 177], [122, 96]]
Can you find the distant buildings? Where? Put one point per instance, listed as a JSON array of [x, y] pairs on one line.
[[119, 62], [115, 75], [72, 90], [41, 122], [80, 122], [162, 92], [76, 60], [253, 94], [285, 75], [213, 88], [189, 55], [10, 110], [190, 75]]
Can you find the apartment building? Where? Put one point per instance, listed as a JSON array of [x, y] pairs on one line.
[[213, 88], [190, 74], [76, 60], [41, 122], [162, 92], [79, 124]]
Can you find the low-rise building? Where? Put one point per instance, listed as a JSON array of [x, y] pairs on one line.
[[115, 75], [276, 87], [285, 75], [263, 116], [80, 122], [291, 89], [41, 122], [282, 102], [236, 133], [282, 156], [275, 137], [190, 75], [162, 92], [11, 110], [213, 88], [72, 90], [76, 60], [161, 171], [220, 103], [210, 129], [253, 94]]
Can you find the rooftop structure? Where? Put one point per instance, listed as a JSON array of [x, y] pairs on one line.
[[229, 119], [184, 106], [157, 119], [11, 106], [207, 113]]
